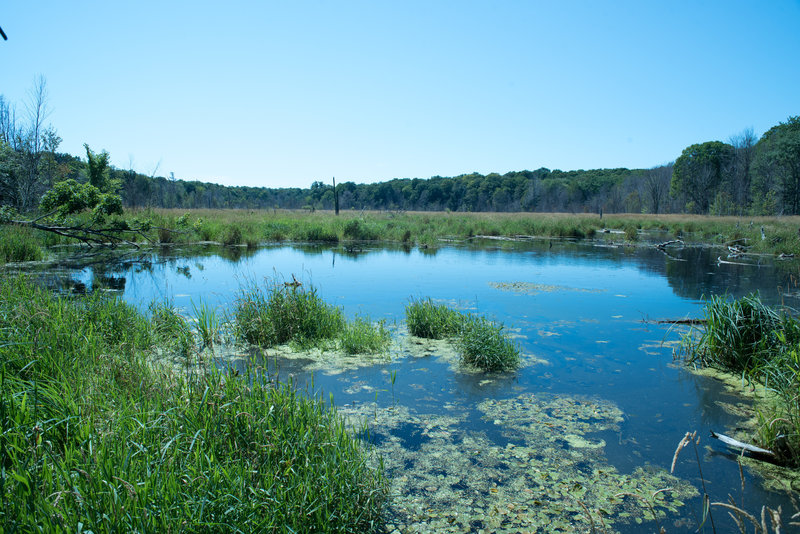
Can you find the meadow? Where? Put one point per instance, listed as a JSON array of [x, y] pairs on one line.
[[426, 229]]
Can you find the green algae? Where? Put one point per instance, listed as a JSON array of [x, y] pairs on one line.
[[547, 476], [530, 288]]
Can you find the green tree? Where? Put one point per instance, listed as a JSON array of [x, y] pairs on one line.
[[699, 172], [776, 165], [98, 170]]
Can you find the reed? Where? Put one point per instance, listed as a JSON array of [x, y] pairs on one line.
[[208, 324], [93, 436], [750, 339], [361, 336], [19, 244], [483, 345], [433, 321]]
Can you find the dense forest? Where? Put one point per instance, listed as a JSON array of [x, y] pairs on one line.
[[745, 175]]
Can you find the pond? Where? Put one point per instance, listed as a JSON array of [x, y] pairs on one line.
[[582, 435]]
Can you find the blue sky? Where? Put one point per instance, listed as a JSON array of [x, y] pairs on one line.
[[281, 94]]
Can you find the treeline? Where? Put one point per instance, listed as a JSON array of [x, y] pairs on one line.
[[743, 176]]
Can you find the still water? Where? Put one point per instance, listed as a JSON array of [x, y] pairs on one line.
[[587, 427]]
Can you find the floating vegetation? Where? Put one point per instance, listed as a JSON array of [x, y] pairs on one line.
[[545, 470], [530, 288]]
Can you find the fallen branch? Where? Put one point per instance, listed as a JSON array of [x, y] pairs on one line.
[[681, 321], [720, 260], [665, 244], [730, 442]]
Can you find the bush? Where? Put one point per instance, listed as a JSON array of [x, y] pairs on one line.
[[360, 231], [233, 235]]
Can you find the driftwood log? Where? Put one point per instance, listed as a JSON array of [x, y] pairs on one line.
[[736, 444]]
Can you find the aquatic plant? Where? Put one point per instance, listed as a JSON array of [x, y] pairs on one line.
[[170, 328], [738, 334], [361, 336], [233, 235], [208, 323], [18, 244], [94, 436], [762, 345], [483, 345], [433, 321], [280, 313]]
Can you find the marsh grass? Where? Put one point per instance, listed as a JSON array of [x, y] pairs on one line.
[[361, 336], [279, 313], [483, 345], [208, 324], [93, 436], [19, 244], [762, 345], [433, 321], [171, 329], [427, 229]]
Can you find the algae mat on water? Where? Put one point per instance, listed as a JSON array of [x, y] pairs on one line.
[[447, 478]]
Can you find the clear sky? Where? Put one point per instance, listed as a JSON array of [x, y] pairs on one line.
[[283, 93]]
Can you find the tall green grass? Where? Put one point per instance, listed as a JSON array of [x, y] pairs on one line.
[[360, 336], [752, 340], [93, 437], [279, 313], [426, 229], [433, 321], [19, 244], [481, 343]]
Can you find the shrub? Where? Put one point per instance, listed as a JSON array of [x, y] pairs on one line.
[[233, 235], [360, 231]]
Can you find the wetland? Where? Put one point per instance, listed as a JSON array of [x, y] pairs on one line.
[[580, 435]]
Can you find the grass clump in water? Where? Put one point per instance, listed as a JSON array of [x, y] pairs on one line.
[[750, 339], [290, 313], [92, 434], [362, 337], [432, 321], [285, 313], [483, 345]]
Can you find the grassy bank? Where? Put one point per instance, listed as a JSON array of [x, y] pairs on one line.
[[762, 345], [94, 437], [253, 227]]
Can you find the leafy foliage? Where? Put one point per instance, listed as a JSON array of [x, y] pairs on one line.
[[70, 197]]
